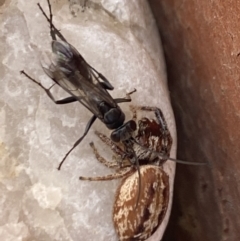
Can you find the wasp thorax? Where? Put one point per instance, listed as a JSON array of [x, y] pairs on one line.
[[139, 223]]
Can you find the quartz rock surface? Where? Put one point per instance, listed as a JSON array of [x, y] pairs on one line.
[[38, 202]]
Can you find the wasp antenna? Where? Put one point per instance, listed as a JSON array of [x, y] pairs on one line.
[[139, 180], [53, 30], [186, 162], [172, 159]]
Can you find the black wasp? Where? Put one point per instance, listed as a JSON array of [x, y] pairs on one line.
[[69, 70]]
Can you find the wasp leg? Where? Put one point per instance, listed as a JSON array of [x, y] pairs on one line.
[[89, 124], [125, 99], [67, 100], [53, 30], [109, 164], [105, 84], [121, 173]]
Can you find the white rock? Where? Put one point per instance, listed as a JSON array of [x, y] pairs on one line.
[[14, 232], [119, 38]]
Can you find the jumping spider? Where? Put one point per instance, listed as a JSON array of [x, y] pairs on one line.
[[145, 184]]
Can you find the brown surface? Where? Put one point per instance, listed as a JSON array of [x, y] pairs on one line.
[[202, 46]]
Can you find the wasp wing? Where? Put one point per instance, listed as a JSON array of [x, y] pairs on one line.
[[70, 71]]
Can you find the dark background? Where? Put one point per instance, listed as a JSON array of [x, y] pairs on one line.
[[201, 40]]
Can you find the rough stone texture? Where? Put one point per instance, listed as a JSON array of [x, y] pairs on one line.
[[118, 38], [201, 40]]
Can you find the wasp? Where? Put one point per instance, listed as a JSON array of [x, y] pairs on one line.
[[69, 70]]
